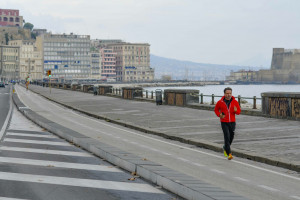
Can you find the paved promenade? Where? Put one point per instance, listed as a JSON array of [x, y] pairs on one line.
[[272, 141]]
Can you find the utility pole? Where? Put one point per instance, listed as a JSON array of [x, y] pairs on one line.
[[29, 66]]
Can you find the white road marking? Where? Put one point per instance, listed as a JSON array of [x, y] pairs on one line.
[[7, 198], [295, 197], [165, 153], [142, 114], [217, 171], [152, 149], [241, 179], [121, 112], [182, 159], [46, 151], [197, 164], [268, 188], [180, 120], [112, 185], [47, 163], [183, 147], [177, 127], [36, 142], [31, 135], [144, 146]]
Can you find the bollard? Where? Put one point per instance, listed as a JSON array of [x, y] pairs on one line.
[[151, 94], [146, 94], [254, 102], [212, 99], [201, 97], [239, 99]]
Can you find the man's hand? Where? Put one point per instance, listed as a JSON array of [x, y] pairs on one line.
[[222, 116], [235, 108]]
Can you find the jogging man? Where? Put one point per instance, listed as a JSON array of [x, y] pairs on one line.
[[226, 108]]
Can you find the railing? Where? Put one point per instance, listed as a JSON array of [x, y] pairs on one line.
[[151, 95], [254, 99], [239, 98]]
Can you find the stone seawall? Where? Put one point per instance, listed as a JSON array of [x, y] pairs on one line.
[[169, 84]]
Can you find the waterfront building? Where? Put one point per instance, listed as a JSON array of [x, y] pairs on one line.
[[102, 43], [108, 63], [9, 62], [9, 17], [242, 75], [95, 65], [132, 62], [31, 60], [66, 55], [285, 67]]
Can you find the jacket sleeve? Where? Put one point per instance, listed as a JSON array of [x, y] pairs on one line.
[[238, 108], [217, 109]]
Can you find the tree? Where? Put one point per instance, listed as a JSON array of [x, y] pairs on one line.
[[28, 26], [33, 35], [6, 38]]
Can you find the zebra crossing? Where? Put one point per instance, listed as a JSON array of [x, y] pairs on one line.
[[34, 164]]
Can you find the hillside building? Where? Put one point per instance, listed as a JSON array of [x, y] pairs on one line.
[[10, 17], [13, 33]]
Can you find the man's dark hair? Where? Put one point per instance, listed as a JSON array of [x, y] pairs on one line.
[[228, 88]]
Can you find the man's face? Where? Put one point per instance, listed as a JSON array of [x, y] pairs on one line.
[[228, 94]]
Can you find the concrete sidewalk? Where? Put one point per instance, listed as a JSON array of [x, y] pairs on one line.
[[267, 140]]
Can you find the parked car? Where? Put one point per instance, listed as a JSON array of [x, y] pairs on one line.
[[2, 85]]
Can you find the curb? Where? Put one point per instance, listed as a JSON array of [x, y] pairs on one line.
[[200, 143], [180, 184]]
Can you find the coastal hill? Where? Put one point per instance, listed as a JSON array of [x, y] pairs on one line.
[[182, 70]]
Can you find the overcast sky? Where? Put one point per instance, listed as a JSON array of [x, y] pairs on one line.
[[242, 32]]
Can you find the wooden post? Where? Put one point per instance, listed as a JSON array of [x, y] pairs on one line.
[[254, 102]]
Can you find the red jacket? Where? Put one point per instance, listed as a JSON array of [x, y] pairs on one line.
[[229, 112]]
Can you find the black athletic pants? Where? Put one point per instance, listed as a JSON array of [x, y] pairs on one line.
[[228, 131]]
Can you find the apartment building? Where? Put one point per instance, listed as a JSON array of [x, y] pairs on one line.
[[10, 17], [95, 65], [9, 62], [31, 60], [102, 43], [108, 63], [132, 62], [66, 55]]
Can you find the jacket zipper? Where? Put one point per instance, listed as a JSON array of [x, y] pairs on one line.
[[228, 109]]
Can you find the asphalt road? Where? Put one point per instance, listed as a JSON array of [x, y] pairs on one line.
[[243, 177], [4, 104], [37, 165]]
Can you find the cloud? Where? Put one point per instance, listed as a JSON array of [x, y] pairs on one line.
[[209, 31]]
